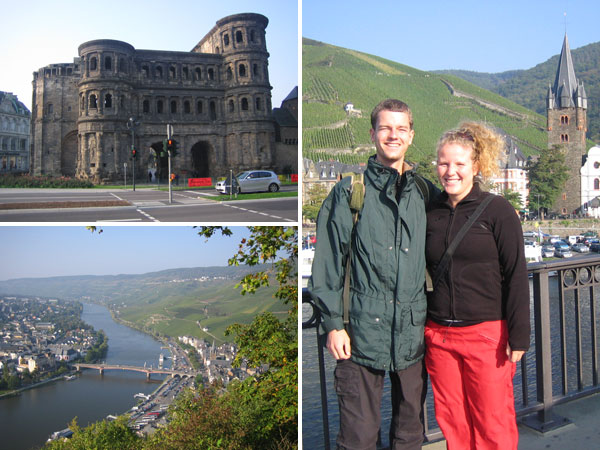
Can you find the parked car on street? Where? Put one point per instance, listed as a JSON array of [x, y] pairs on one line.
[[558, 245], [251, 181], [563, 253], [580, 248], [548, 251], [595, 247]]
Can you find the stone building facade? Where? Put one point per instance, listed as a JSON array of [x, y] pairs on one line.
[[566, 105], [217, 97], [14, 134]]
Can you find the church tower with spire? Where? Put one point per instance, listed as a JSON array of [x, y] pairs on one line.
[[566, 105]]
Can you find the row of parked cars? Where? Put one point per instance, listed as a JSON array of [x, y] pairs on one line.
[[553, 246]]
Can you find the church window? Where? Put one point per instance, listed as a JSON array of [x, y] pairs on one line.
[[108, 63], [199, 107], [564, 120], [93, 63], [146, 71], [159, 106], [108, 101], [229, 73], [258, 104], [596, 184], [242, 70], [244, 104], [213, 111], [231, 106], [186, 107], [158, 72], [173, 106], [93, 103], [198, 74], [146, 106], [564, 138], [172, 72], [238, 36], [211, 74], [226, 39], [186, 73]]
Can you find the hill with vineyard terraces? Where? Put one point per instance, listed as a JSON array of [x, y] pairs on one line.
[[334, 76]]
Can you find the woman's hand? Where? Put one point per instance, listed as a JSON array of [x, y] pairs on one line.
[[514, 355]]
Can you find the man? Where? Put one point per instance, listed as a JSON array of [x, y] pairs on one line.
[[387, 300]]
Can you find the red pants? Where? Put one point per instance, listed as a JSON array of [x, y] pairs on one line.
[[471, 378]]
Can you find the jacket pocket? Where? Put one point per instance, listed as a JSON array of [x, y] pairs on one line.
[[418, 315]]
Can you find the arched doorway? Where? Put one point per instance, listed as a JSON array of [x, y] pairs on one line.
[[161, 161], [201, 159], [68, 155]]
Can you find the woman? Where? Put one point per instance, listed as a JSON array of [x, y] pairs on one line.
[[478, 313]]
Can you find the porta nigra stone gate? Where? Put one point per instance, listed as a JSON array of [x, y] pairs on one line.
[[217, 97]]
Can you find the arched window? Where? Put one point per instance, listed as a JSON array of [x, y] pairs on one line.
[[108, 101], [108, 63], [211, 74], [198, 74], [242, 70], [186, 73], [186, 107], [199, 107], [564, 120], [238, 36], [145, 71], [146, 106], [93, 101], [93, 63], [244, 104], [226, 39], [159, 106], [564, 138], [173, 106], [229, 73], [231, 106], [596, 184], [172, 72], [158, 72], [213, 111]]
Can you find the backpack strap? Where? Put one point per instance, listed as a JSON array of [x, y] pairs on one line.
[[445, 260], [423, 188], [356, 203]]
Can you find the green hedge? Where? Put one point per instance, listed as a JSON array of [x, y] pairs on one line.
[[27, 181]]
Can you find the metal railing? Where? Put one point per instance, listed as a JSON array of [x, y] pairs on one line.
[[562, 362]]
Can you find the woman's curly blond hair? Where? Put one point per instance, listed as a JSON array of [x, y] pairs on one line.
[[487, 145]]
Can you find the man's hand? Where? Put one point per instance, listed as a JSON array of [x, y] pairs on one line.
[[514, 355], [338, 344]]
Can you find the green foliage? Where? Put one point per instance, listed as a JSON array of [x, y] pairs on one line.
[[102, 435], [316, 195], [514, 198], [547, 177], [27, 181]]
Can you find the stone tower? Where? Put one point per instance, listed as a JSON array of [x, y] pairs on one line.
[[217, 97], [566, 105]]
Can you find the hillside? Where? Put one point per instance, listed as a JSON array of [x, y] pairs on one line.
[[171, 302], [529, 87], [333, 76]]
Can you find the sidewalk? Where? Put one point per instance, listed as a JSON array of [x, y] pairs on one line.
[[582, 434]]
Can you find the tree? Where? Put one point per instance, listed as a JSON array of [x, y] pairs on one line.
[[102, 435], [547, 177], [514, 198], [315, 197]]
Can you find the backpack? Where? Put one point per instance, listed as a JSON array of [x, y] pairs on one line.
[[356, 202]]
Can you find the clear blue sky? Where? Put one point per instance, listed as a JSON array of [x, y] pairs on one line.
[[35, 33], [42, 251], [479, 35]]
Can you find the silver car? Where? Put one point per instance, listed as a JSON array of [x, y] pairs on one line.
[[252, 181]]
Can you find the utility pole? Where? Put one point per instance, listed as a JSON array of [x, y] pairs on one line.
[[169, 148]]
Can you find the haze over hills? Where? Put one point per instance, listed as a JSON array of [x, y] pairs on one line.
[[529, 87], [334, 76], [173, 302]]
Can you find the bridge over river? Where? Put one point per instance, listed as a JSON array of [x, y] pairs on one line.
[[147, 370]]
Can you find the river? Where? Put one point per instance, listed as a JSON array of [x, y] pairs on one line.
[[28, 419]]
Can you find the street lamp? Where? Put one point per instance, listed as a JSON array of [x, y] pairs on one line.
[[132, 123]]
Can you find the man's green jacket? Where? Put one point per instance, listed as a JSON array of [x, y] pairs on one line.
[[387, 299]]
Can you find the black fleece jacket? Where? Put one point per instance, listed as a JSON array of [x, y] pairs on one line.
[[486, 278]]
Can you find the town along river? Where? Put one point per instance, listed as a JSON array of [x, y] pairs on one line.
[[27, 420]]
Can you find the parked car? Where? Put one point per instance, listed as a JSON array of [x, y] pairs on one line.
[[595, 247], [563, 253], [580, 248], [561, 245], [548, 251], [252, 181]]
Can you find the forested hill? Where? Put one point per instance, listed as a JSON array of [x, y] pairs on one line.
[[334, 76], [529, 87]]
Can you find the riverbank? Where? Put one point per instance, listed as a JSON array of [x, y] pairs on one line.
[[31, 386], [563, 226]]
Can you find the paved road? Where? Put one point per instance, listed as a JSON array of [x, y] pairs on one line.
[[146, 205]]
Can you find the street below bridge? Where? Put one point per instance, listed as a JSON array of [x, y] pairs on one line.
[[142, 205]]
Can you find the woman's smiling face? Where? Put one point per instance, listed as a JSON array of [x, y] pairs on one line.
[[456, 170]]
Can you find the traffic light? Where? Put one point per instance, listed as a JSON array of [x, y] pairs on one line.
[[172, 147], [133, 152]]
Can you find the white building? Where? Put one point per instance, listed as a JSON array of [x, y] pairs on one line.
[[14, 134], [513, 174], [590, 183]]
